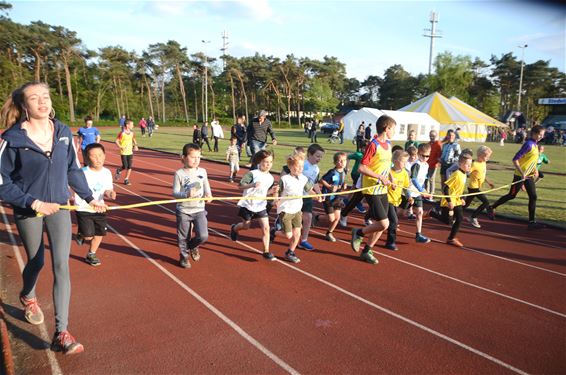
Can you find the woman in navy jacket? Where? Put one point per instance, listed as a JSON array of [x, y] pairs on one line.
[[38, 163]]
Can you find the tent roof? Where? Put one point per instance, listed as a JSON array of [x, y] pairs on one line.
[[406, 117], [447, 111]]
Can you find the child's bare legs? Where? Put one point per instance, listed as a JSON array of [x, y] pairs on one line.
[[94, 243], [294, 237], [419, 222], [307, 222], [264, 225], [334, 219], [375, 230], [128, 172]]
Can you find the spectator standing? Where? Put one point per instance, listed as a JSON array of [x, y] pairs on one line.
[[360, 138], [197, 140], [433, 161], [312, 131], [367, 133], [238, 131], [150, 126], [143, 125], [217, 133], [341, 131], [204, 135], [122, 122], [257, 133]]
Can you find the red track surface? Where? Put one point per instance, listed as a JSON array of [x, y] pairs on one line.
[[497, 306]]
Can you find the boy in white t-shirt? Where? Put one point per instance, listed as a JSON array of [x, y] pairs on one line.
[[293, 184], [256, 183], [92, 225]]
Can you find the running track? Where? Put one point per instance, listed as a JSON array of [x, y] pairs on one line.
[[496, 306]]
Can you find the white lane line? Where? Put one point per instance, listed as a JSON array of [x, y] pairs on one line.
[[208, 305], [462, 281], [53, 363], [374, 305]]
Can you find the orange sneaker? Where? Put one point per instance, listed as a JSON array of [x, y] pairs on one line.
[[64, 342], [455, 242], [32, 311]]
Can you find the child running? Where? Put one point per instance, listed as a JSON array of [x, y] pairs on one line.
[[419, 172], [400, 181], [476, 180], [413, 157], [375, 168], [126, 141], [542, 159], [453, 188], [191, 181], [333, 181], [355, 200], [311, 171], [256, 183], [92, 225], [526, 173], [289, 210], [233, 158]]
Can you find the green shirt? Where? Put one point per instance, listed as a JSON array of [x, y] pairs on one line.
[[411, 143], [542, 158]]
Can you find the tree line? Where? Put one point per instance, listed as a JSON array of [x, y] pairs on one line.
[[168, 83]]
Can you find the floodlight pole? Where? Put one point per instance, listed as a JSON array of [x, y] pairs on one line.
[[205, 42], [432, 34], [521, 76]]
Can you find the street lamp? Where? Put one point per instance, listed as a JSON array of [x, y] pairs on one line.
[[521, 76], [205, 42]]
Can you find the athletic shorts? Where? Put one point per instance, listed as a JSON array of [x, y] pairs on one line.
[[417, 202], [378, 206], [335, 205], [307, 205], [290, 221], [127, 161], [91, 223], [248, 215]]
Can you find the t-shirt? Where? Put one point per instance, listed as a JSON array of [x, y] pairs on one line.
[[98, 182], [419, 173], [378, 158], [450, 153], [435, 152], [527, 157], [335, 178], [411, 143], [232, 154], [542, 158], [456, 184], [187, 179], [357, 157], [126, 141], [311, 172], [88, 136], [265, 180], [477, 174], [290, 186], [402, 182]]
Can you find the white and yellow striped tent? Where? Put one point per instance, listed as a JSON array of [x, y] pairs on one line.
[[452, 114]]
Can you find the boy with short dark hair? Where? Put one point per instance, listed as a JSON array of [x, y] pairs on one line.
[[312, 172], [92, 225], [87, 135]]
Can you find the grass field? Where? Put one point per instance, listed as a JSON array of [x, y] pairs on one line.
[[551, 191]]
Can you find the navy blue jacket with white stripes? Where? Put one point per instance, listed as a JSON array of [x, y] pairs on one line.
[[27, 173]]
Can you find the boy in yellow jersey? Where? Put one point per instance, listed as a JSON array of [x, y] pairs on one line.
[[477, 178], [525, 162], [400, 181], [126, 141], [453, 188], [374, 168]]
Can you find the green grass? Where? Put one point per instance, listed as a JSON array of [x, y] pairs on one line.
[[551, 205]]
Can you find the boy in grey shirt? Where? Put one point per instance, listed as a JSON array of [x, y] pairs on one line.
[[191, 182]]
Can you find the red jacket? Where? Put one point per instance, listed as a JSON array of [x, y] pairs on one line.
[[435, 152]]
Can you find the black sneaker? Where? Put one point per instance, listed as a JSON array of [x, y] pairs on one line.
[[79, 239], [92, 259], [195, 254], [184, 261], [535, 225], [233, 233], [126, 182], [292, 257], [117, 174], [268, 256]]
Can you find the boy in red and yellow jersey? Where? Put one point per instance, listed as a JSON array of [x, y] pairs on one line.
[[126, 141], [525, 162], [453, 189], [374, 168]]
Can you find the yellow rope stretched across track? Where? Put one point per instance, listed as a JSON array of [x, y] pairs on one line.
[[346, 192]]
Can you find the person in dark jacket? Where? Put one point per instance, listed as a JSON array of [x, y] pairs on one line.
[[204, 135], [238, 131], [38, 163], [197, 140], [258, 129]]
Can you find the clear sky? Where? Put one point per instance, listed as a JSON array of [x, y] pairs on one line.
[[368, 36]]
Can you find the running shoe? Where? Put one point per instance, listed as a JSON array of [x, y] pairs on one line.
[[117, 174], [233, 233], [291, 256], [412, 217], [305, 245], [391, 246], [422, 239], [195, 254], [184, 261], [269, 256], [344, 221], [127, 182], [455, 242], [490, 213], [368, 222], [92, 259], [32, 311], [369, 258], [535, 225], [360, 208], [79, 239], [64, 342], [356, 240], [474, 222], [330, 237]]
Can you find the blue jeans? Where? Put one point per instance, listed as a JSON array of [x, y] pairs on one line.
[[256, 145]]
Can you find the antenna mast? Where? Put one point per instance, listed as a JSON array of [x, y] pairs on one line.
[[224, 48], [432, 33]]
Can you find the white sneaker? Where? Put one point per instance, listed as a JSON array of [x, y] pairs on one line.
[[474, 222], [344, 221]]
